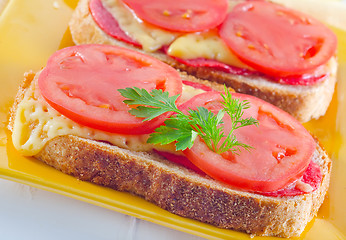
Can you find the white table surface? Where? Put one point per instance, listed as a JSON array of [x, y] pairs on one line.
[[34, 214]]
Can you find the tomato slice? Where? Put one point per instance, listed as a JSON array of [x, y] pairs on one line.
[[82, 82], [181, 15], [282, 147], [312, 176], [276, 40]]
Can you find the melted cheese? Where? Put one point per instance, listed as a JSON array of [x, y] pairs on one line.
[[36, 122], [204, 45], [189, 92], [151, 38], [305, 187], [189, 46]]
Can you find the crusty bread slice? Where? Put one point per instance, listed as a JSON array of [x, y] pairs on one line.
[[302, 102], [179, 190]]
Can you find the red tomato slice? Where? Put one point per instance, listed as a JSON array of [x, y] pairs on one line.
[[276, 40], [181, 15], [82, 82], [282, 147], [312, 176]]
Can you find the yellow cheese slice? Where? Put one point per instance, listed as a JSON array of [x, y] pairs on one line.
[[206, 45]]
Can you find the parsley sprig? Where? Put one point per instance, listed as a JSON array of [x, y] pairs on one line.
[[183, 128]]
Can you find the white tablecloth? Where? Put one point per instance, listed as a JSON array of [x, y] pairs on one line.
[[28, 213]]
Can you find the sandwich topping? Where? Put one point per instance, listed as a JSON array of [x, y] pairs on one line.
[[293, 50], [285, 41], [80, 87], [81, 83], [276, 155], [181, 15], [137, 32], [186, 124]]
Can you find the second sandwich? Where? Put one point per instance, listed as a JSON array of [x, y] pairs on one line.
[[256, 47]]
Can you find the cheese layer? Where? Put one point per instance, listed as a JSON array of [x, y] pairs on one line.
[[206, 45], [186, 46], [150, 37], [36, 122]]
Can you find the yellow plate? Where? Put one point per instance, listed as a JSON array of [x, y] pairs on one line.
[[30, 31]]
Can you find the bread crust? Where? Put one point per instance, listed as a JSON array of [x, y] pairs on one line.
[[184, 192], [179, 190], [302, 102]]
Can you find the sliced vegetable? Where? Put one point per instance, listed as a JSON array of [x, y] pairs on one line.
[[82, 82], [281, 147], [181, 15], [312, 176], [276, 40]]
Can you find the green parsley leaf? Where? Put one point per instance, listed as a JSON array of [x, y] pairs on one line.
[[183, 128], [174, 130], [235, 109], [152, 104]]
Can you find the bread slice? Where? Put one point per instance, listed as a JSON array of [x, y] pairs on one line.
[[302, 102], [177, 189]]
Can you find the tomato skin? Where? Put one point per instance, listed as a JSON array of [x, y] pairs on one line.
[[180, 15], [282, 147], [82, 82], [294, 43]]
